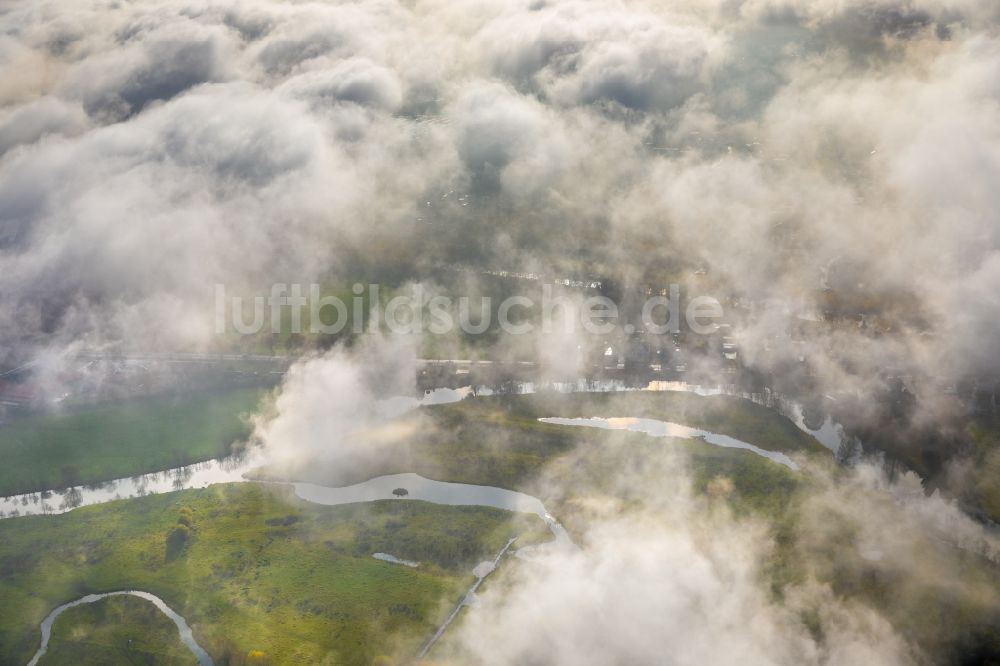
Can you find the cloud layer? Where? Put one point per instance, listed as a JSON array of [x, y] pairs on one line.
[[151, 150]]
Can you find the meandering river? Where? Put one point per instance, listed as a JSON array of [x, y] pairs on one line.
[[182, 626], [436, 492]]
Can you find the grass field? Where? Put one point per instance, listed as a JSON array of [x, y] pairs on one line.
[[261, 570], [97, 443], [118, 630]]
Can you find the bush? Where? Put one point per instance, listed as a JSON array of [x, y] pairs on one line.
[[177, 537], [257, 657]]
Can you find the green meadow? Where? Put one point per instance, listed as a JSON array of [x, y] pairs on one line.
[[258, 571]]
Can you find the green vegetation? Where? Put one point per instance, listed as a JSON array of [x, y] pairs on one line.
[[120, 630], [260, 570], [97, 443]]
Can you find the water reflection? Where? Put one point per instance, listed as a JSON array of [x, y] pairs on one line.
[[198, 475]]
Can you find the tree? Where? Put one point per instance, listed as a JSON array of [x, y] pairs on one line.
[[180, 534]]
